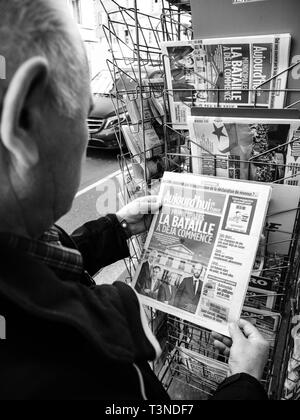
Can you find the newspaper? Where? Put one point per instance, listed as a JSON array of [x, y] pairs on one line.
[[136, 141], [211, 371], [197, 69], [292, 382], [241, 148], [281, 219], [266, 322], [257, 298], [292, 173], [201, 248]]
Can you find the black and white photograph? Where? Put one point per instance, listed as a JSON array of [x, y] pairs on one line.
[[149, 203]]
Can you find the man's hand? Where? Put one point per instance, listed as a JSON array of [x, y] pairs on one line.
[[138, 214], [248, 351]]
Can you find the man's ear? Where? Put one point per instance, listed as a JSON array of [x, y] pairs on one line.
[[25, 88]]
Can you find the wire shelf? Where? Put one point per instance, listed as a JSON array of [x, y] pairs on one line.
[[139, 68]]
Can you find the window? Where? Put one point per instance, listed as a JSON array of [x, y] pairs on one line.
[[76, 6], [182, 265], [170, 262]]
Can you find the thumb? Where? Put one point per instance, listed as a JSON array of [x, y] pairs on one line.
[[235, 332]]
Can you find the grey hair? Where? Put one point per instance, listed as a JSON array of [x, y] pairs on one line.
[[35, 27]]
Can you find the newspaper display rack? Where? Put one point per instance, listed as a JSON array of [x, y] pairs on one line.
[[273, 299]]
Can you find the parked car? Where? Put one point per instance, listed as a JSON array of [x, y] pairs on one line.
[[109, 111]]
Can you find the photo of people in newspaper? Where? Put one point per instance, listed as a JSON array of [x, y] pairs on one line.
[[175, 283], [169, 279], [190, 81]]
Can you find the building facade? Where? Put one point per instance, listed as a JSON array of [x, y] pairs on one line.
[[85, 14], [91, 17], [123, 26]]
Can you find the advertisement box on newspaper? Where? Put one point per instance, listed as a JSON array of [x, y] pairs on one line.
[[201, 248]]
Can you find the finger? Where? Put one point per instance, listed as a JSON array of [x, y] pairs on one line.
[[235, 332], [221, 347], [249, 329], [227, 341]]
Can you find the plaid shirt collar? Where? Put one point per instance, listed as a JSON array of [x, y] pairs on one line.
[[67, 263]]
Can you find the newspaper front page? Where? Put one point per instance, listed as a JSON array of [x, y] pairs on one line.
[[222, 72], [201, 248]]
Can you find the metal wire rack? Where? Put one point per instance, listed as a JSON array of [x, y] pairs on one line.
[[185, 345]]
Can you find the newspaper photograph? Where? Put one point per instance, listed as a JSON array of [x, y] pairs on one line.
[[201, 248], [225, 72], [255, 149]]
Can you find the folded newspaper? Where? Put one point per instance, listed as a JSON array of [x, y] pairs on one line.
[[201, 248]]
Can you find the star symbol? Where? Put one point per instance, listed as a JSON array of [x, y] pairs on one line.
[[219, 132]]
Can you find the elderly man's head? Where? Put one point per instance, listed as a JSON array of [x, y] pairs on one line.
[[44, 103]]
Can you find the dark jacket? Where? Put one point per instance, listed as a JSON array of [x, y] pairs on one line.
[[166, 293], [70, 341], [66, 340], [241, 387]]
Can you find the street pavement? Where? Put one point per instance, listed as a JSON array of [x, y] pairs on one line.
[[97, 169]]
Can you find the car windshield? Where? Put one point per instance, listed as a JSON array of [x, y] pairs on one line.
[[103, 83]]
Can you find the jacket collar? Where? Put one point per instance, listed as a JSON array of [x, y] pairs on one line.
[[67, 263]]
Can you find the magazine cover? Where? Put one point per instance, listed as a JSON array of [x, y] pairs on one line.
[[253, 149], [196, 69], [201, 248]]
